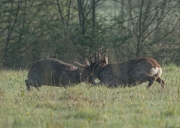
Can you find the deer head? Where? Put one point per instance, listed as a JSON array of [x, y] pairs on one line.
[[100, 58]]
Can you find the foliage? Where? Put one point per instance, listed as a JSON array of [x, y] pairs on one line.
[[72, 30]]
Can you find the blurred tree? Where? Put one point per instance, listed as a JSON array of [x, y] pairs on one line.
[[72, 30], [150, 23]]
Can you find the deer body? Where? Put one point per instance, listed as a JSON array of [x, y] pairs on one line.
[[130, 73], [54, 72]]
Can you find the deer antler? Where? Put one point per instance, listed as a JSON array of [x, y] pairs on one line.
[[106, 56], [99, 58], [87, 61], [101, 49], [79, 64], [103, 56], [95, 57], [90, 58]]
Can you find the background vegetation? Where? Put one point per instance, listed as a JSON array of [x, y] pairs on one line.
[[71, 30], [83, 106]]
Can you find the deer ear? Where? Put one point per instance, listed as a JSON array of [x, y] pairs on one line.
[[80, 65]]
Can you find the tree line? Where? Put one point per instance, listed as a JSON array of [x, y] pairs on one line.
[[72, 30]]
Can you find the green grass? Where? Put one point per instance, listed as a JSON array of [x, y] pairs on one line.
[[83, 106]]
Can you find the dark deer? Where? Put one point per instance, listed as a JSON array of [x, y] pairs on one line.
[[130, 73], [54, 72]]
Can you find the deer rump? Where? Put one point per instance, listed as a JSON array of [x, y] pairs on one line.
[[52, 72], [130, 73]]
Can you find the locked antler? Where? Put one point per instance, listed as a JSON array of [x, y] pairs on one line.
[[103, 56], [99, 58], [106, 56]]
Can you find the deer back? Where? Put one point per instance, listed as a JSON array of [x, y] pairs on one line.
[[131, 72], [49, 71]]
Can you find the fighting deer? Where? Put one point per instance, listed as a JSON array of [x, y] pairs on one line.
[[54, 72], [130, 73]]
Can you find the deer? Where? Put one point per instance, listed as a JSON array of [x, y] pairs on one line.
[[130, 73], [54, 72]]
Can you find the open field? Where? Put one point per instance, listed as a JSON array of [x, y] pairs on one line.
[[83, 106]]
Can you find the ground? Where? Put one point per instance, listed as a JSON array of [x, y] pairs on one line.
[[83, 106]]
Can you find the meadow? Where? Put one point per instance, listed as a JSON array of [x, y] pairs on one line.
[[86, 106]]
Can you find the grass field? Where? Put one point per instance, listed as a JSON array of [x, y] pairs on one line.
[[83, 106]]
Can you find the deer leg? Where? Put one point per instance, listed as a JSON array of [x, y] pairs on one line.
[[27, 85], [114, 82], [96, 84], [143, 78], [36, 84], [131, 83], [151, 80], [32, 83], [159, 80], [112, 85]]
